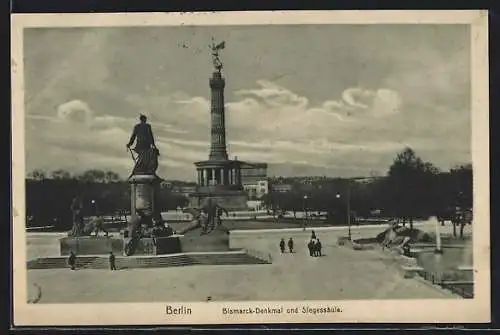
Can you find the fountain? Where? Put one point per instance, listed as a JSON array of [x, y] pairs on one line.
[[438, 249]]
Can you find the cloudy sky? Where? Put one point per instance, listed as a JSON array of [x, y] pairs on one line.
[[335, 100]]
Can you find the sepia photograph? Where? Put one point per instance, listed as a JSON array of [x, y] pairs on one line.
[[226, 168]]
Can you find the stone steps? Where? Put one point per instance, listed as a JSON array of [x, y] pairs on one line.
[[101, 262]]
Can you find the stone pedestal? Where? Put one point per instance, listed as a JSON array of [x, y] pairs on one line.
[[163, 246], [89, 245], [143, 193], [180, 244]]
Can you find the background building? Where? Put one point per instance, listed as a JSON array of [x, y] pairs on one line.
[[281, 188], [254, 179]]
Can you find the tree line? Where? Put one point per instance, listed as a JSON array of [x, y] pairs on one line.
[[49, 196], [412, 189]]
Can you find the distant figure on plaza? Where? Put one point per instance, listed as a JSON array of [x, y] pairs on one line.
[[290, 245], [146, 161], [313, 235], [282, 245], [112, 265], [72, 260], [317, 248], [310, 246]]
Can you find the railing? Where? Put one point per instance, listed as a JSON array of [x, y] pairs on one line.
[[259, 255], [463, 289]]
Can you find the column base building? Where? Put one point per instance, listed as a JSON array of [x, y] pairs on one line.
[[219, 178]]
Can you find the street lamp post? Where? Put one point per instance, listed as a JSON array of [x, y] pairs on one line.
[[348, 207], [94, 206], [305, 213]]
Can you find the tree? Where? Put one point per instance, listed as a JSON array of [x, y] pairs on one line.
[[38, 174], [60, 174], [461, 178], [111, 176], [94, 175], [410, 183]]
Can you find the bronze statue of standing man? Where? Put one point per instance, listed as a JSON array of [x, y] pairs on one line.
[[146, 161]]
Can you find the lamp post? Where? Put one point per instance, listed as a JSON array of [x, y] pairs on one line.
[[305, 213], [348, 207], [94, 206]]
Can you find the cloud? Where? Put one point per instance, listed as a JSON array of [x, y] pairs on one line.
[[86, 87], [273, 95], [268, 123], [75, 111], [386, 103], [355, 97]]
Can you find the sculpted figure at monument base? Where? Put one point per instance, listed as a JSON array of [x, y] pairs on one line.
[[143, 225]]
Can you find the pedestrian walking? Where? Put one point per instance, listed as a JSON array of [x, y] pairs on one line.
[[112, 265], [318, 248], [290, 245], [310, 246], [72, 260], [313, 235], [282, 245]]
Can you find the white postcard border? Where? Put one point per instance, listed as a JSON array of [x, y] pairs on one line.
[[415, 311]]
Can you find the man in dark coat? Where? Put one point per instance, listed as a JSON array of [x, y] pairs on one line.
[[290, 245], [72, 260], [313, 235], [317, 248], [282, 246], [112, 265], [310, 246]]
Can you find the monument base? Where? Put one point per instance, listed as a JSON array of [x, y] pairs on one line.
[[90, 245], [143, 192], [230, 200], [162, 246], [181, 244]]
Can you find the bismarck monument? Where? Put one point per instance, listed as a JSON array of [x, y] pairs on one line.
[[146, 232], [218, 178], [143, 179]]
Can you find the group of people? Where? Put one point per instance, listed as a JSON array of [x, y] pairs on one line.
[[314, 245], [283, 245], [72, 261]]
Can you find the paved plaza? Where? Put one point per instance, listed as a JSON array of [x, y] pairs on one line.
[[342, 273]]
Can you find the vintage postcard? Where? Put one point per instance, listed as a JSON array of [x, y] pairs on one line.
[[250, 167]]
